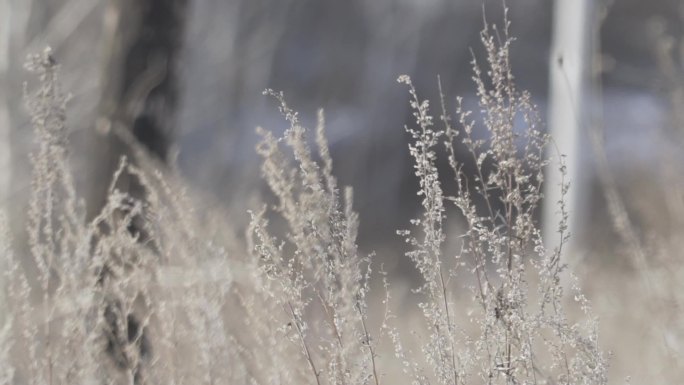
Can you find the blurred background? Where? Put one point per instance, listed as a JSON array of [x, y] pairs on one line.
[[344, 57]]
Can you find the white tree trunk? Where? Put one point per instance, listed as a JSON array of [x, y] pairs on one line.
[[5, 34], [5, 148], [569, 64]]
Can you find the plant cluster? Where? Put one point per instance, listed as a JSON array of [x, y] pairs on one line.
[[146, 293], [523, 332]]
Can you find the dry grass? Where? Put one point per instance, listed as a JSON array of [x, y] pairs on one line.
[[147, 293]]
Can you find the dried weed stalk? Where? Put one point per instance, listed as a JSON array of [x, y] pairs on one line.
[[524, 334]]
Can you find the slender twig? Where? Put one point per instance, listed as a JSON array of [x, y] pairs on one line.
[[369, 343], [307, 353]]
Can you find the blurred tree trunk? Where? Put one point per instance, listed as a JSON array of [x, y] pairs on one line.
[[139, 101], [569, 65], [140, 86], [15, 30], [5, 164]]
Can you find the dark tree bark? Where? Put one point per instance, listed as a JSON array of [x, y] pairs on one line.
[[140, 90]]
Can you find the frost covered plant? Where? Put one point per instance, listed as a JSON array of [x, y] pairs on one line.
[[123, 298], [58, 237], [314, 273], [518, 331]]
